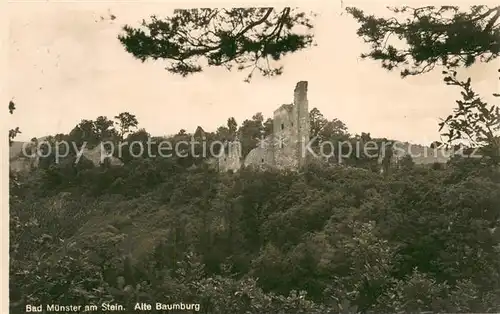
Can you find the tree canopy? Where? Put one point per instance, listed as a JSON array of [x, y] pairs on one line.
[[416, 40], [430, 36], [250, 38]]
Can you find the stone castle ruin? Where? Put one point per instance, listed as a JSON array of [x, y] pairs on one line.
[[284, 148]]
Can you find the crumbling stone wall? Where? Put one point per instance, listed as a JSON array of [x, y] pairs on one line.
[[284, 148], [262, 154], [21, 164], [230, 157], [284, 140], [98, 154], [421, 155], [301, 106], [24, 157]]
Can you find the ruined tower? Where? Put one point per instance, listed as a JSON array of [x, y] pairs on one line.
[[284, 149], [284, 138], [301, 106], [291, 130]]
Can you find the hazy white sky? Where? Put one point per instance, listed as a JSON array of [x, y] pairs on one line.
[[67, 65]]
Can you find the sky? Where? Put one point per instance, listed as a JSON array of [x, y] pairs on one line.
[[66, 64]]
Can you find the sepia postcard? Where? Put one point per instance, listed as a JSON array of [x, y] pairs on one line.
[[321, 157]]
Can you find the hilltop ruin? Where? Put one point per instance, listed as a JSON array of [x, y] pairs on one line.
[[283, 149]]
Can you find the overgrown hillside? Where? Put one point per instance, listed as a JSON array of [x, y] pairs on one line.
[[414, 240]]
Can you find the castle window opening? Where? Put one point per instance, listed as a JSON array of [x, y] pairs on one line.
[[282, 126], [262, 160]]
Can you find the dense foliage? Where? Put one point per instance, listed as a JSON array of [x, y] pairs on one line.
[[447, 36], [326, 239]]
